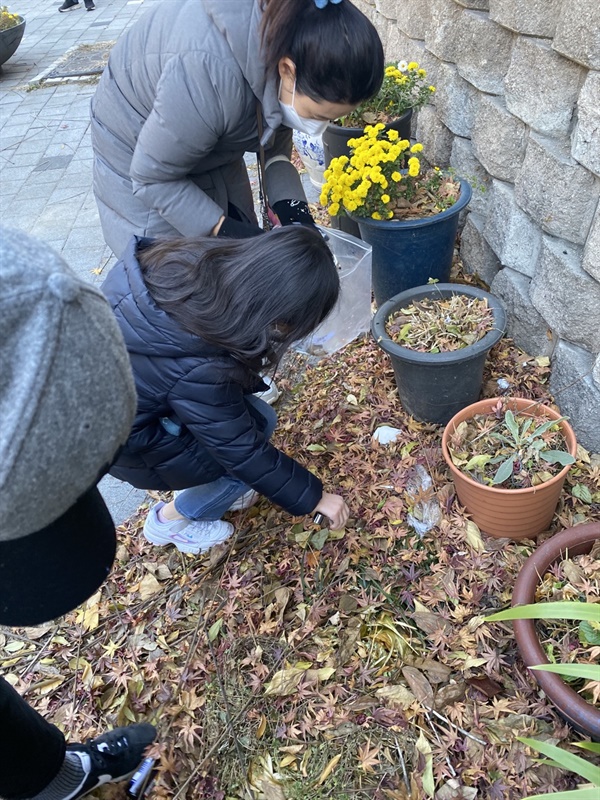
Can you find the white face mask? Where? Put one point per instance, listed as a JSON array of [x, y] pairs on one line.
[[291, 118]]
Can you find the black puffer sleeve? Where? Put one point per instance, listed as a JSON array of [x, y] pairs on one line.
[[215, 413]]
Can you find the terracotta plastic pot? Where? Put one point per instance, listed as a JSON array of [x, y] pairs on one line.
[[583, 716], [509, 513]]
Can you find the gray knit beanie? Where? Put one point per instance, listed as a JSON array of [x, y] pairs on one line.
[[67, 401]]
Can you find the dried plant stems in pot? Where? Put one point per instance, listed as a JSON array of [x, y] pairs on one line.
[[441, 325]]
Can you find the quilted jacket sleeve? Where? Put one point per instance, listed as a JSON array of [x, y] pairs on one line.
[[197, 100], [216, 415]]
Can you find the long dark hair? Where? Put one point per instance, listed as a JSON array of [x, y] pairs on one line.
[[250, 297], [337, 51]]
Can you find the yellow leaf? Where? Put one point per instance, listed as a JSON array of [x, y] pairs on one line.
[[148, 586], [14, 647], [542, 361], [396, 696], [424, 748], [262, 727], [286, 761], [47, 685], [474, 537], [329, 769], [284, 682]]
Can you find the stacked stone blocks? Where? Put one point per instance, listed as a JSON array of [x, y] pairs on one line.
[[517, 111]]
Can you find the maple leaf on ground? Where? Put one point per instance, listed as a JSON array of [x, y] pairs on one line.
[[367, 756]]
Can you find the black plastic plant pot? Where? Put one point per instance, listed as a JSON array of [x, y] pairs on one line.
[[433, 387], [10, 39], [406, 253], [335, 144]]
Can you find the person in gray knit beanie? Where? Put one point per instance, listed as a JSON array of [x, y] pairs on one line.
[[67, 400]]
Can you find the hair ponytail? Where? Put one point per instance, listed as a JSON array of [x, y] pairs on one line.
[[337, 51]]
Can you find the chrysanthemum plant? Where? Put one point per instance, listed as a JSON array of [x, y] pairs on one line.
[[383, 179], [7, 19], [404, 86]]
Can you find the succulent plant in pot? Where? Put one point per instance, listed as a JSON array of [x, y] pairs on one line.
[[509, 458]]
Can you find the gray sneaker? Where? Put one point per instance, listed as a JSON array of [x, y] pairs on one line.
[[69, 5]]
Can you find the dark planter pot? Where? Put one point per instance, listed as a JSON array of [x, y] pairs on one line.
[[9, 41], [335, 144], [433, 387], [581, 715], [406, 253]]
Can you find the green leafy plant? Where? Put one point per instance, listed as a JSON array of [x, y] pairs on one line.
[[404, 86], [8, 19], [508, 451], [441, 324], [557, 756]]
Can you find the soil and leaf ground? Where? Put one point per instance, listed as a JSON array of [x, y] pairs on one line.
[[296, 662]]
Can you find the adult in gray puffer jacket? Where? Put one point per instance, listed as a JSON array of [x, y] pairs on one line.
[[185, 93]]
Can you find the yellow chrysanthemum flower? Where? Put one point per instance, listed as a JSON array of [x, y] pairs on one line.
[[413, 167], [396, 176], [432, 88], [412, 65], [334, 209], [376, 215], [392, 135], [385, 198], [422, 73], [416, 148]]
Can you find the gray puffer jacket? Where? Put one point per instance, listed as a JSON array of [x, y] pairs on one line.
[[173, 115]]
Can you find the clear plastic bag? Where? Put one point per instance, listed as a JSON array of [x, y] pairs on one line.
[[352, 314]]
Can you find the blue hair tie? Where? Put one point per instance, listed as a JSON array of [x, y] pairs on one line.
[[323, 3]]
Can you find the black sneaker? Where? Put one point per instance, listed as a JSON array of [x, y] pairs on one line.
[[69, 5], [89, 4], [115, 755]]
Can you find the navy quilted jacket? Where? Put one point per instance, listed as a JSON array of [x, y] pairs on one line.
[[180, 376]]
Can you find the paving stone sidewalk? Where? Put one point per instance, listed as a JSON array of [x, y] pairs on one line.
[[46, 153]]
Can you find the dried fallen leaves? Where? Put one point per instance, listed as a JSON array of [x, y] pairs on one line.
[[298, 662]]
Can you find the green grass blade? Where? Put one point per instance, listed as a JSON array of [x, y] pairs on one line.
[[569, 761], [572, 794], [591, 672], [566, 609], [593, 747]]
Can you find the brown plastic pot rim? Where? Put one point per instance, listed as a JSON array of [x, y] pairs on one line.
[[571, 705], [481, 406]]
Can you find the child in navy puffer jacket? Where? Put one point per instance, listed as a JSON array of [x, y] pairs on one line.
[[201, 318]]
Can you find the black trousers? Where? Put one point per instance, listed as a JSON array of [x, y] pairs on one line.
[[32, 750]]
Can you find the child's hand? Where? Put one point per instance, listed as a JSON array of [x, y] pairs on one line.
[[334, 507]]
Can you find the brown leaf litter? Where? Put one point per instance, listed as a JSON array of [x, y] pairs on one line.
[[296, 662]]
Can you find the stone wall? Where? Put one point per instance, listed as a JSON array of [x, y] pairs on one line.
[[517, 107]]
